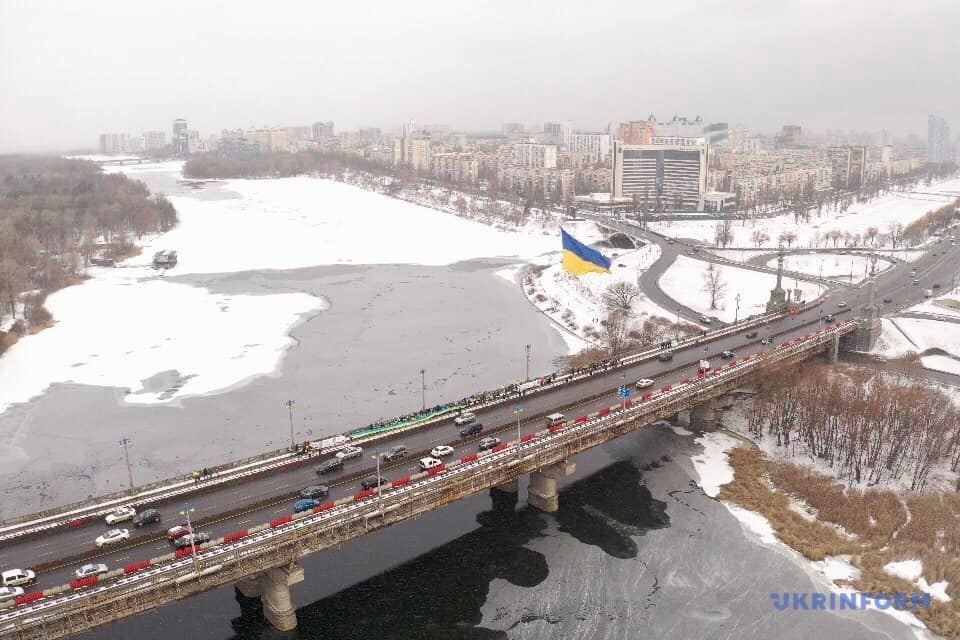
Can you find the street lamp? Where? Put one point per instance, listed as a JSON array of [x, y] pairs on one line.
[[290, 403], [126, 443], [376, 456], [517, 411], [736, 314], [528, 362], [186, 511], [423, 389]]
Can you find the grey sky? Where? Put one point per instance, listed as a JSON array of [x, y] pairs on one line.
[[70, 70]]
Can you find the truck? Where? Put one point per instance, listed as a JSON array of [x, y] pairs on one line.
[[928, 293]]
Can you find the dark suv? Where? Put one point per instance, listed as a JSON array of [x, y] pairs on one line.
[[471, 430], [314, 492], [370, 483], [191, 539], [329, 466], [395, 453], [147, 516]]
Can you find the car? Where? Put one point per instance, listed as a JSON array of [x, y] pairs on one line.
[[147, 516], [177, 532], [887, 300], [6, 593], [705, 319], [488, 443], [671, 241], [665, 357], [372, 482], [915, 281], [192, 539], [112, 537], [305, 504], [556, 418], [767, 341], [936, 285], [644, 383], [429, 463], [471, 429], [348, 453], [314, 492], [17, 577], [396, 453], [841, 305], [751, 334], [90, 570], [441, 450], [828, 318], [727, 355], [121, 514], [329, 466], [464, 418]]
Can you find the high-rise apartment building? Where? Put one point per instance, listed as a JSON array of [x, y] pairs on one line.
[[559, 132], [938, 141], [154, 140], [668, 177], [848, 165], [637, 132], [181, 138], [531, 154], [594, 146], [322, 130]]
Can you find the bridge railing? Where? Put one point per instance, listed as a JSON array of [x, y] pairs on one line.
[[531, 452]]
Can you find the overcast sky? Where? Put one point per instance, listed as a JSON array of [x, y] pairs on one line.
[[72, 69]]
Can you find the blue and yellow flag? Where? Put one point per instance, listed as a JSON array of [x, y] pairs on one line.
[[579, 259]]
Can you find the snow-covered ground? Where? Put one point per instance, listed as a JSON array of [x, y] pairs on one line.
[[922, 335], [712, 466], [127, 325], [684, 282], [832, 265], [911, 571], [893, 208], [568, 299]]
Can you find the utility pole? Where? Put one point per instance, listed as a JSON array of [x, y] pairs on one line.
[[376, 455], [293, 445], [736, 314], [126, 443], [517, 411], [423, 389], [186, 511], [528, 363]]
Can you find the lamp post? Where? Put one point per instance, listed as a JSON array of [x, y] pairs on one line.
[[186, 511], [126, 443], [423, 389], [376, 456], [517, 411], [736, 313], [528, 362], [678, 317], [290, 403]]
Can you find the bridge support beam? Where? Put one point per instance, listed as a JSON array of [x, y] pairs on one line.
[[273, 589], [511, 487], [833, 350], [542, 493], [704, 415]]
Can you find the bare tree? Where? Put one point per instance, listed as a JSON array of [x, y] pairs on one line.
[[787, 236], [871, 234], [714, 285], [759, 236], [616, 331], [723, 234], [620, 296]]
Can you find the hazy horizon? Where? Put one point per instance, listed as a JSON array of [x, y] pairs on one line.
[[71, 72]]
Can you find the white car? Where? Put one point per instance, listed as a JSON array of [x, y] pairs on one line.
[[429, 463], [464, 418], [89, 570], [349, 452], [17, 577], [644, 383], [705, 319], [7, 593], [112, 537], [121, 514], [441, 450]]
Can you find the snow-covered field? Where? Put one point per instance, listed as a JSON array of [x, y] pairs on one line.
[[911, 571], [832, 265], [579, 299], [684, 282], [127, 324], [921, 335], [893, 208]]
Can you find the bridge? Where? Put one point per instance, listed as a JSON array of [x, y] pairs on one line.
[[246, 505], [262, 560]]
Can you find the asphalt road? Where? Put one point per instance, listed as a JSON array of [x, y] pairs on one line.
[[275, 492]]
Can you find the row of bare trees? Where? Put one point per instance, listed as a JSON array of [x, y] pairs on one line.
[[868, 426]]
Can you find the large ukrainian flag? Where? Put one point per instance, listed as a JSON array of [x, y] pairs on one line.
[[579, 259]]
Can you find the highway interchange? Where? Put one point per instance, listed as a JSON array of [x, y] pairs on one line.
[[263, 498]]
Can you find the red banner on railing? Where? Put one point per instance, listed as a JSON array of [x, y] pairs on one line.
[[84, 582], [237, 535], [279, 522], [140, 566]]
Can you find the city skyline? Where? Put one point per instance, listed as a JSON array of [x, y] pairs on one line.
[[78, 72]]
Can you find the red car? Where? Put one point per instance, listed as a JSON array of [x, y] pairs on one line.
[[177, 532]]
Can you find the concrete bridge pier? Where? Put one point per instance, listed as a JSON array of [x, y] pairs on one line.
[[833, 350], [273, 589], [704, 415], [542, 493]]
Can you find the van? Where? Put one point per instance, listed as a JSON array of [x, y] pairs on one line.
[[17, 577], [329, 466], [555, 419], [147, 516], [927, 293]]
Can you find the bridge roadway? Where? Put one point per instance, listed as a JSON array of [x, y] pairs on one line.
[[263, 498], [276, 548]]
